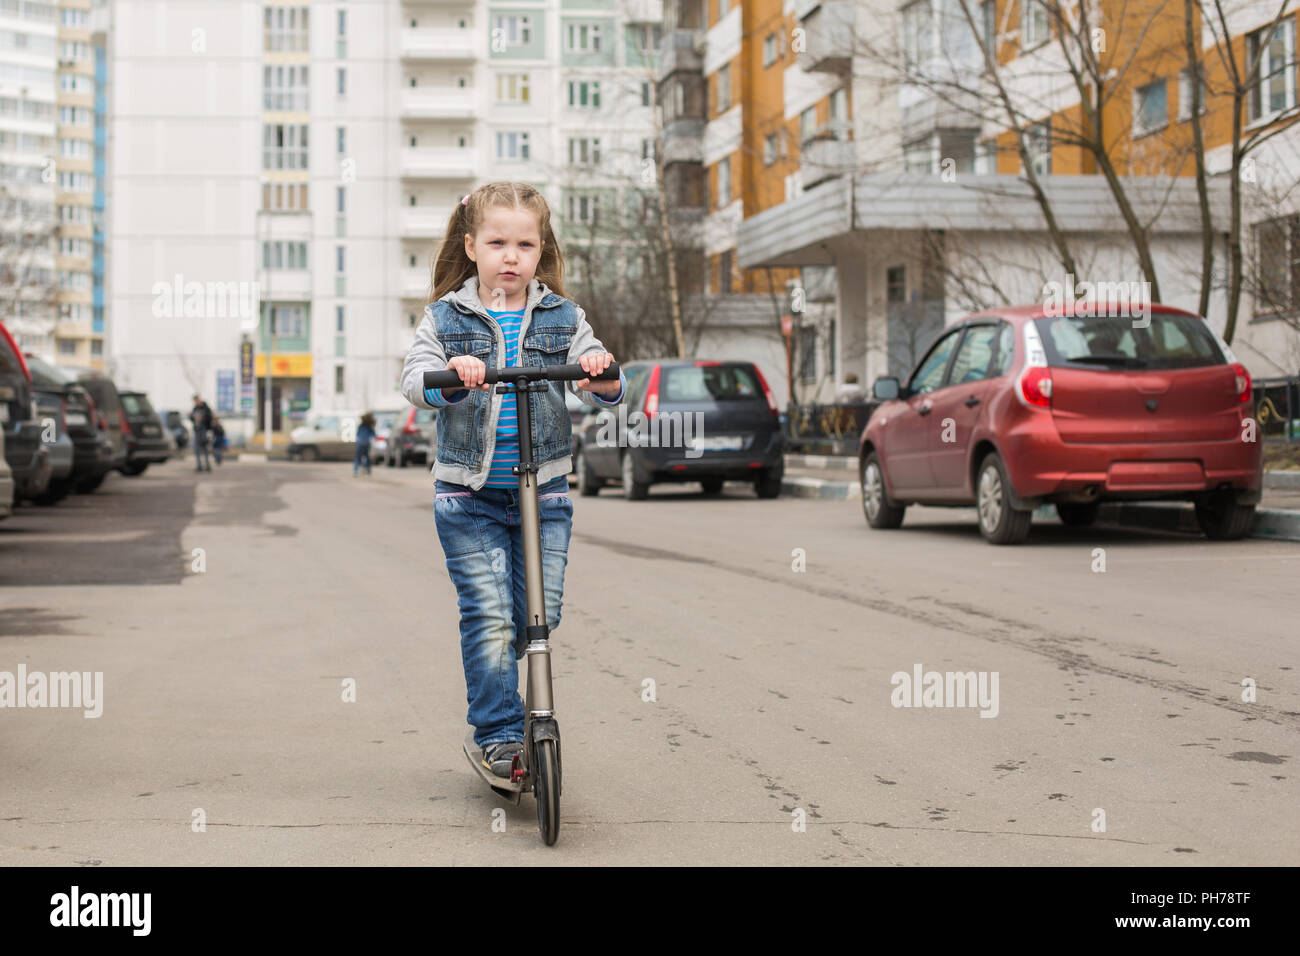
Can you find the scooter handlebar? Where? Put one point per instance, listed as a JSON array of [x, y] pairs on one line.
[[450, 378]]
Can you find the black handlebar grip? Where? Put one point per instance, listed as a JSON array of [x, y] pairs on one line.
[[450, 378]]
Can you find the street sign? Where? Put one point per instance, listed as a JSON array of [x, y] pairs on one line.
[[299, 404], [225, 391]]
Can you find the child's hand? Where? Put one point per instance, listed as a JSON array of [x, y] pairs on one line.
[[471, 370], [593, 363]]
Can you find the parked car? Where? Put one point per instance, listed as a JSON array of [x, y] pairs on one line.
[[110, 421], [325, 436], [1016, 407], [739, 438], [29, 459], [414, 437], [384, 422], [175, 425], [6, 482], [92, 451], [58, 443], [578, 410], [146, 444]]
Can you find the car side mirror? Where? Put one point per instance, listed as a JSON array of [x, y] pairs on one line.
[[886, 388]]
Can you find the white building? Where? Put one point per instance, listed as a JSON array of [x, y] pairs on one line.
[[307, 157]]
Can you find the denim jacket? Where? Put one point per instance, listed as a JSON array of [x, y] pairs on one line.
[[555, 331]]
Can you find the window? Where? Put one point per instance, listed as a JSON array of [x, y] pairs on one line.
[[1033, 24], [584, 94], [341, 196], [1185, 96], [724, 89], [1038, 143], [839, 113], [724, 273], [723, 7], [807, 124], [918, 34], [512, 87], [343, 81], [339, 259], [918, 157], [512, 146], [647, 96], [896, 284], [284, 146], [929, 375], [1275, 90], [975, 356], [288, 321], [724, 182], [67, 347], [584, 208], [584, 151], [284, 196], [769, 49], [1277, 266], [769, 149], [284, 255], [646, 36], [286, 29], [285, 87], [338, 381], [1150, 108], [513, 31], [338, 311], [805, 348], [1006, 349], [989, 22], [582, 38], [342, 140]]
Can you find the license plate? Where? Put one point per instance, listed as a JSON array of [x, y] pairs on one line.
[[150, 429], [74, 418], [718, 443]]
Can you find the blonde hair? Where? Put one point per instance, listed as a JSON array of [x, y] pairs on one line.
[[452, 265]]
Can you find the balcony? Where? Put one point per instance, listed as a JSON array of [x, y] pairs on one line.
[[684, 141], [415, 284], [451, 103], [442, 44], [681, 51], [643, 11], [826, 154], [829, 28], [448, 162], [285, 284], [420, 223]]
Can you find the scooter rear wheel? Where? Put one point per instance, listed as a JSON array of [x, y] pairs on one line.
[[546, 787]]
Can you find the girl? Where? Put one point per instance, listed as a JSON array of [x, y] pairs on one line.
[[498, 300]]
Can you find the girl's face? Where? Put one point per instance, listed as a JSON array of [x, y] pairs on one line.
[[506, 250]]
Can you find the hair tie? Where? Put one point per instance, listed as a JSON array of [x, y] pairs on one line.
[[465, 200]]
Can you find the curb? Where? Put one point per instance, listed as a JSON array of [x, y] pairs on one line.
[[1272, 523]]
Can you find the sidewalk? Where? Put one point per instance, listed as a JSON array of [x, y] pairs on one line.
[[1277, 516]]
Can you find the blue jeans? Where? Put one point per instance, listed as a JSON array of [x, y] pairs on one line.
[[362, 459], [482, 539], [201, 449]]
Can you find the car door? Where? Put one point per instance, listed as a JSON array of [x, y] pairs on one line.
[[959, 403], [907, 432], [602, 436]]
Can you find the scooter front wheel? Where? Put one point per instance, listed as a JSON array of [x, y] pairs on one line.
[[546, 787]]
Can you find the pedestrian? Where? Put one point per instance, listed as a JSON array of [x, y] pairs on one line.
[[201, 416], [364, 434], [218, 440], [497, 278]]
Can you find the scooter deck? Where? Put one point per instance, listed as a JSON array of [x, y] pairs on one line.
[[505, 788]]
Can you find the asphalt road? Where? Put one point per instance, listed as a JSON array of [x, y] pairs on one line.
[[1118, 691]]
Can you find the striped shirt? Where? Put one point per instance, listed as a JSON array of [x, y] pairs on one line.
[[506, 454]]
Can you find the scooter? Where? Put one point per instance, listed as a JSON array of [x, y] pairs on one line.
[[537, 769]]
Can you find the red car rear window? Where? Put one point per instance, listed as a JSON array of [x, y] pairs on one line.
[[1170, 341]]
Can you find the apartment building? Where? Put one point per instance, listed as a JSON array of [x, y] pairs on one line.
[[281, 174], [906, 197]]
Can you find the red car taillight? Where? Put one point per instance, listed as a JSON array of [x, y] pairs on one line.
[[651, 406], [123, 425], [1244, 387], [771, 402], [1036, 386]]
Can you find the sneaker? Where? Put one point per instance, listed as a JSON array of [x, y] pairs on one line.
[[499, 756]]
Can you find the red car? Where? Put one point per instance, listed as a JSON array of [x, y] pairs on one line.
[[1019, 406]]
